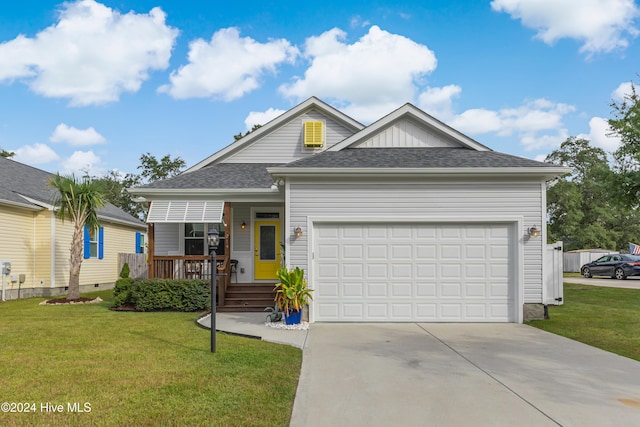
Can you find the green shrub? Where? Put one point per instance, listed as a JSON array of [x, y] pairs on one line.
[[166, 294], [124, 273], [122, 292]]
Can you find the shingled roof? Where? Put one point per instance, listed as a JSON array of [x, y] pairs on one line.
[[436, 157], [222, 175], [17, 180]]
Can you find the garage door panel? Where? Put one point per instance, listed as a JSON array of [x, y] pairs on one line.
[[377, 272], [377, 252], [352, 270], [377, 290], [401, 290], [353, 290], [426, 252]]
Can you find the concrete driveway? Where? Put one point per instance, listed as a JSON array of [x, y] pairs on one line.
[[460, 375], [629, 283]]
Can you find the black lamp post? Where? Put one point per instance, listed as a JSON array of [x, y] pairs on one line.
[[213, 238]]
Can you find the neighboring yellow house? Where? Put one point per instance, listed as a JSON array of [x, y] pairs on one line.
[[35, 245]]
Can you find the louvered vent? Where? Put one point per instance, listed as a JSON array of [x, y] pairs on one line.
[[313, 136]]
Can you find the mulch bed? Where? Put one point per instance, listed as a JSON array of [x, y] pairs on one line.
[[69, 301]]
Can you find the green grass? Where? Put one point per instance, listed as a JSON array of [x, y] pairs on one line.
[[143, 369], [571, 274], [607, 318]]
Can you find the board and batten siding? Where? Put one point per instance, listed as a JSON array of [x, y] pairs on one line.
[[407, 133], [388, 201], [17, 242], [285, 144]]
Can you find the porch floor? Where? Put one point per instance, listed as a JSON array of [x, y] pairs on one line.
[[247, 297]]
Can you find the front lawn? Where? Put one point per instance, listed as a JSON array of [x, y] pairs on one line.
[[142, 369], [607, 318]]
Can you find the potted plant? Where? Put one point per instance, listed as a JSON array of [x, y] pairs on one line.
[[292, 294]]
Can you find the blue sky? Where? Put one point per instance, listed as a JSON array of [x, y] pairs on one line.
[[88, 85]]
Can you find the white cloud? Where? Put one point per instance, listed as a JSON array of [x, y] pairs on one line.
[[81, 162], [228, 66], [91, 55], [621, 92], [537, 124], [35, 154], [370, 77], [437, 101], [477, 121], [76, 137], [599, 131], [261, 117], [601, 25]]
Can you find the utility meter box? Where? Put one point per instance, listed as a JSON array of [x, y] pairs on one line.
[[6, 267]]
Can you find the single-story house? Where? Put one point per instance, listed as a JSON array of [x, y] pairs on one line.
[[35, 244], [405, 219]]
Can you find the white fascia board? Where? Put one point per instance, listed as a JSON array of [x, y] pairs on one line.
[[228, 195], [417, 114], [274, 124], [21, 205], [547, 172], [37, 202], [111, 220]]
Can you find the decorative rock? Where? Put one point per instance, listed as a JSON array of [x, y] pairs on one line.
[[302, 326]]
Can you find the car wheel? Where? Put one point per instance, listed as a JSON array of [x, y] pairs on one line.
[[586, 272], [619, 274]]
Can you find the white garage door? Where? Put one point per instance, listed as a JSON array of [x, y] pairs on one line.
[[406, 272]]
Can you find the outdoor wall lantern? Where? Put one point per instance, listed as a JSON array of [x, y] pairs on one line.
[[243, 225], [213, 238], [534, 231], [298, 231]]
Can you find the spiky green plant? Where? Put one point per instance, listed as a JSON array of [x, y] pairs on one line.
[[292, 293], [77, 200]]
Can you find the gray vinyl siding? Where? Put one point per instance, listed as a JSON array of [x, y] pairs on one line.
[[285, 144], [451, 199], [241, 239], [407, 133], [166, 237]]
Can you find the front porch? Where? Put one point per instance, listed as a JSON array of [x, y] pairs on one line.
[[239, 284]]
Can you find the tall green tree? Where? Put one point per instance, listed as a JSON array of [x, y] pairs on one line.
[[626, 125], [77, 201], [5, 153], [115, 184], [155, 170], [583, 209]]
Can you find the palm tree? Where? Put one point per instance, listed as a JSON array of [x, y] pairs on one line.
[[78, 201]]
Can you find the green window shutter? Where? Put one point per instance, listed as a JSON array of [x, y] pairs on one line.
[[313, 136]]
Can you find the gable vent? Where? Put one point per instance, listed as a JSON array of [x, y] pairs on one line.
[[178, 211], [313, 136]]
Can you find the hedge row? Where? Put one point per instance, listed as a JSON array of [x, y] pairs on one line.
[[163, 294]]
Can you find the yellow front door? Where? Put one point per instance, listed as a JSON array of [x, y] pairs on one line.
[[266, 258]]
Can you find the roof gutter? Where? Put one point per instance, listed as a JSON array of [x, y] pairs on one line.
[[21, 205]]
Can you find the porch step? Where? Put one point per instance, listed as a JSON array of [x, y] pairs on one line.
[[247, 297]]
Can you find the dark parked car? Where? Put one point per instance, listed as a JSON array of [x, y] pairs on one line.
[[618, 266]]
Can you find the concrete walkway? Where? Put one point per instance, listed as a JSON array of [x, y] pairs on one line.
[[254, 325]]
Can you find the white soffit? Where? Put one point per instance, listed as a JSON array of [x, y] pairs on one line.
[[179, 211]]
